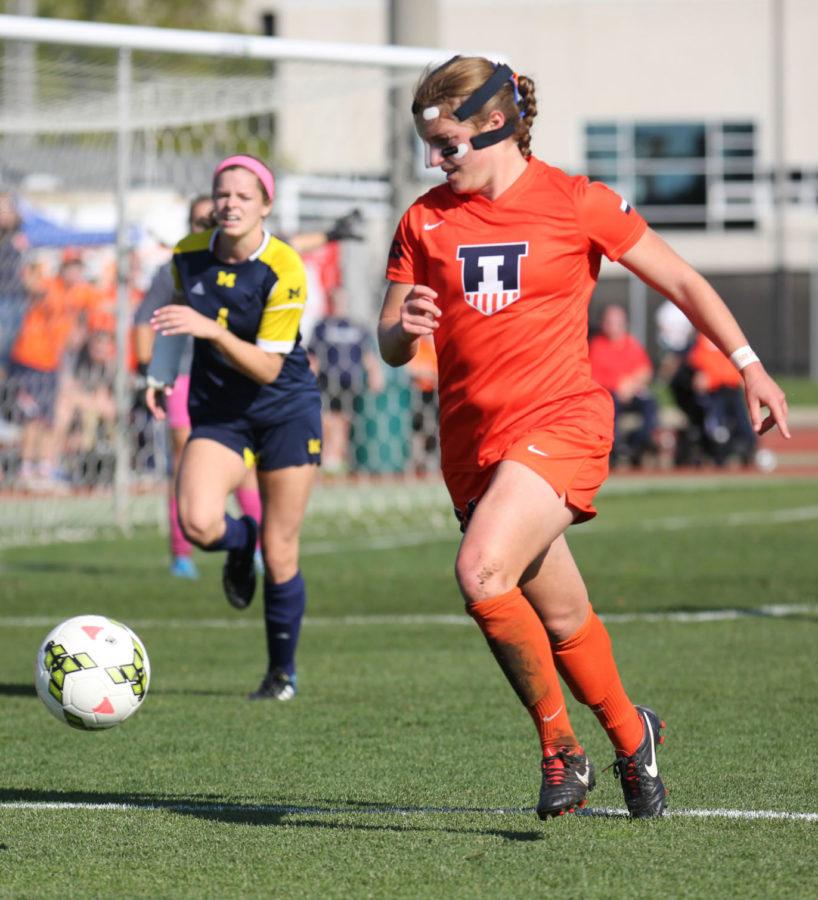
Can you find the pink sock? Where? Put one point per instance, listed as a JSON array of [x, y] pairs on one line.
[[179, 545], [250, 504]]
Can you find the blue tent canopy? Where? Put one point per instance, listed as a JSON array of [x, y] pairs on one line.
[[40, 231]]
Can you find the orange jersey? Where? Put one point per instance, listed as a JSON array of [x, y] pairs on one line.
[[49, 323], [705, 357], [514, 277]]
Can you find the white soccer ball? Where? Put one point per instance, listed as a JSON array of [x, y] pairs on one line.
[[92, 672]]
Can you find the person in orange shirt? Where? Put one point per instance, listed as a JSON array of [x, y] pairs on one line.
[[498, 264], [49, 327], [425, 414], [711, 396], [622, 366]]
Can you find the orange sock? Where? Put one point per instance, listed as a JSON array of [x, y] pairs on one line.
[[520, 645], [587, 666]]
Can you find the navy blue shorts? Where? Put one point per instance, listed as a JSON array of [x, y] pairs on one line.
[[296, 442]]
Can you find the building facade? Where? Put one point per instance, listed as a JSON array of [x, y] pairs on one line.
[[699, 111]]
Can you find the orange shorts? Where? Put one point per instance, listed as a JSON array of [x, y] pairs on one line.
[[572, 460]]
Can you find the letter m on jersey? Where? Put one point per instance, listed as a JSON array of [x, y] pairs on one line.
[[491, 275]]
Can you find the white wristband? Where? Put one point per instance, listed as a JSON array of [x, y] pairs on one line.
[[743, 357]]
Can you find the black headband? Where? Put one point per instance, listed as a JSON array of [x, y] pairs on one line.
[[487, 138], [484, 93]]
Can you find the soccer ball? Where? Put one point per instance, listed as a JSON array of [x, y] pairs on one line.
[[92, 672]]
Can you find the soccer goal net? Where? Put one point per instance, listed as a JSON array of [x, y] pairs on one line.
[[106, 133]]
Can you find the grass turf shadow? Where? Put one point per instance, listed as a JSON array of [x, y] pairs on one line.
[[284, 814]]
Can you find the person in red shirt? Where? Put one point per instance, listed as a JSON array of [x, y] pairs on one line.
[[498, 264], [622, 366]]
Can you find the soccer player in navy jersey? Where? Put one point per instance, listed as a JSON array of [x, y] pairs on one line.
[[240, 293]]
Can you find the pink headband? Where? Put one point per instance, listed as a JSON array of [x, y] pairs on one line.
[[264, 175]]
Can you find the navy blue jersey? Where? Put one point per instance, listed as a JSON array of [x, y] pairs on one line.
[[340, 347], [260, 300]]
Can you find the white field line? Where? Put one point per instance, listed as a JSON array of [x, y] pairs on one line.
[[261, 809], [770, 611]]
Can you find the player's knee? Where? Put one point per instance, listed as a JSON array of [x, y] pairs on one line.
[[280, 563], [200, 529], [480, 576], [565, 621]]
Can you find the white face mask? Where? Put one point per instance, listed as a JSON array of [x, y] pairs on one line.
[[434, 156]]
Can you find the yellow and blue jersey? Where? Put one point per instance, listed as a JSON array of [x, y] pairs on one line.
[[260, 300]]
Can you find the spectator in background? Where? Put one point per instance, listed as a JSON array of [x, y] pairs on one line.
[[425, 413], [621, 365], [57, 311], [709, 391], [85, 414], [12, 287], [342, 355], [321, 252], [674, 333]]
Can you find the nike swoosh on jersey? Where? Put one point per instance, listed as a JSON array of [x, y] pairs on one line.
[[428, 226], [532, 449], [652, 769]]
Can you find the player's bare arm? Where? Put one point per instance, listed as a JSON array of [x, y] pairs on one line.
[[409, 311], [658, 265], [257, 364]]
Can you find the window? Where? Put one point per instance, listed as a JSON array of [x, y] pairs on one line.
[[268, 24], [679, 174]]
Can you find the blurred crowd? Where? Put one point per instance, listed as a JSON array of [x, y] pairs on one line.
[[711, 424], [58, 359]]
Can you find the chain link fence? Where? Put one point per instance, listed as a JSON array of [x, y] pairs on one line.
[[101, 149]]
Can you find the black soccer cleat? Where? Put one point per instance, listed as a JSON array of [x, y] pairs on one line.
[[239, 572], [276, 685], [567, 779], [645, 794]]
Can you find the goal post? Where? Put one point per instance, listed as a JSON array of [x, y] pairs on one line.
[[106, 133]]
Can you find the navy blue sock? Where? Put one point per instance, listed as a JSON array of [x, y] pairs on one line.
[[237, 534], [283, 610]]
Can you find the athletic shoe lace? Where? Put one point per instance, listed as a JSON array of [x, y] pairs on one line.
[[627, 771], [556, 766]]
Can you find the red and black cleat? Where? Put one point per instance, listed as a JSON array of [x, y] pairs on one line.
[[645, 793], [567, 777]]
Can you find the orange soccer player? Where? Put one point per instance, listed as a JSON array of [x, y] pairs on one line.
[[499, 264]]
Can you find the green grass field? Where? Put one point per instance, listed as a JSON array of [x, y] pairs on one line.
[[406, 767]]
